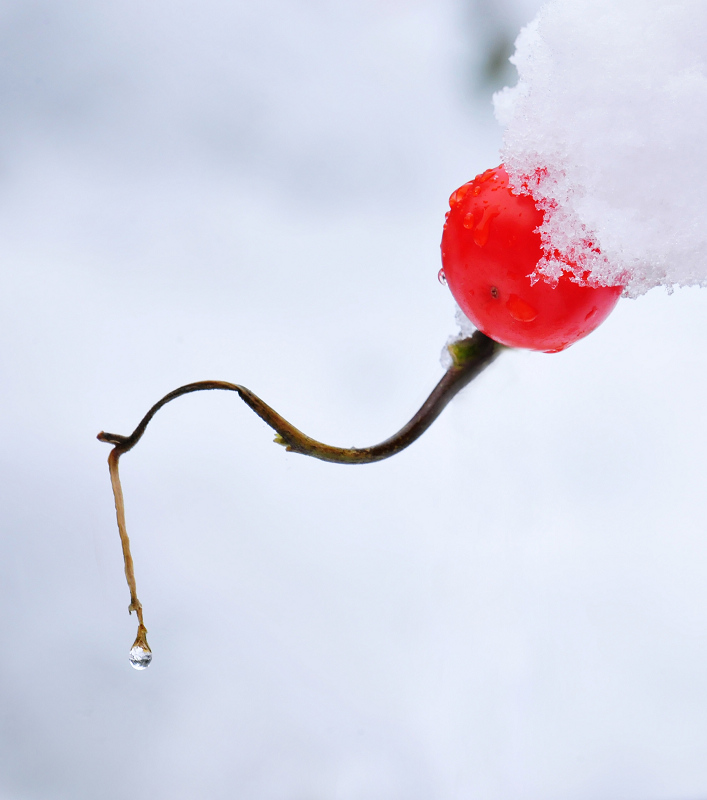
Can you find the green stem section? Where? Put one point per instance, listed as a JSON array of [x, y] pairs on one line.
[[469, 357]]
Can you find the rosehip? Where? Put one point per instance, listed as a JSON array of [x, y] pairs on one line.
[[490, 247]]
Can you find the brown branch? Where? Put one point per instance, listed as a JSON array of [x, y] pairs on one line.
[[469, 357]]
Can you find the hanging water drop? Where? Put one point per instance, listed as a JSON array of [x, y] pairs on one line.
[[140, 658], [441, 277], [140, 653]]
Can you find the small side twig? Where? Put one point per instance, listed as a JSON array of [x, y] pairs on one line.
[[469, 357]]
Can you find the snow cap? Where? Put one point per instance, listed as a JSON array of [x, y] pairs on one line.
[[607, 129]]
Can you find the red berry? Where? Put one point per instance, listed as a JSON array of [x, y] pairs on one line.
[[490, 247]]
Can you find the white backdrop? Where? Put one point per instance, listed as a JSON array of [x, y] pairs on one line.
[[513, 608]]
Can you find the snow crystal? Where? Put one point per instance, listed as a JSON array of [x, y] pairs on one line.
[[466, 329], [607, 128]]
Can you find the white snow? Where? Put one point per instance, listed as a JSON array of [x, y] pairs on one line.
[[607, 125], [466, 329]]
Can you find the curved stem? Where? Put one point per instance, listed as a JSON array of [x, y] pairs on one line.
[[469, 357]]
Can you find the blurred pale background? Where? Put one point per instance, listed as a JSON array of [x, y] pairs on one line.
[[514, 608]]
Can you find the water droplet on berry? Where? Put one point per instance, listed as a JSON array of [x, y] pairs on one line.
[[140, 658], [486, 175], [441, 277], [468, 221], [591, 314], [481, 235], [481, 232], [520, 310], [456, 197]]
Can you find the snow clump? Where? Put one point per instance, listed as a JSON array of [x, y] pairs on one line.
[[607, 128]]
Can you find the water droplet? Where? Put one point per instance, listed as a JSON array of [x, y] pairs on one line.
[[441, 277], [490, 173], [456, 197], [468, 221], [461, 192], [520, 310], [481, 232], [140, 658]]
